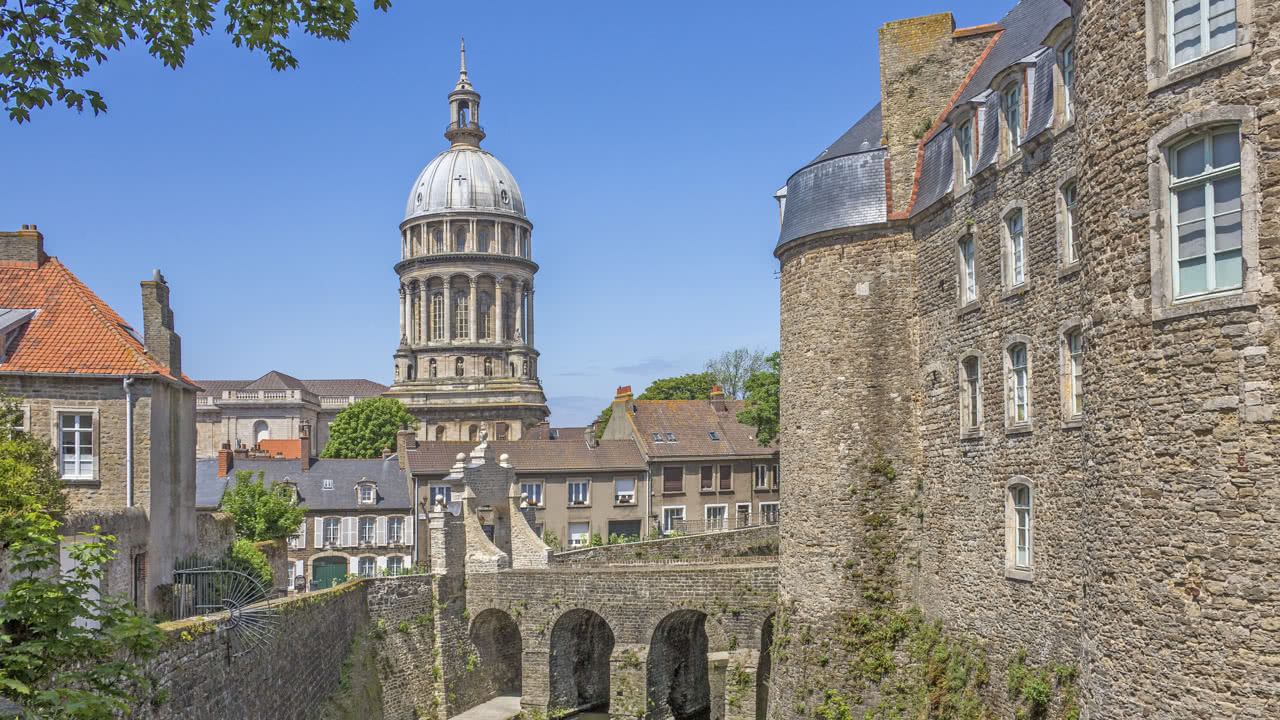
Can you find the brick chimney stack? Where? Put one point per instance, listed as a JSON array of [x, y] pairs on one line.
[[224, 460], [717, 400], [24, 248], [405, 440], [163, 344]]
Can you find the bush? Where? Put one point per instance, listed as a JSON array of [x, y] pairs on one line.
[[248, 559]]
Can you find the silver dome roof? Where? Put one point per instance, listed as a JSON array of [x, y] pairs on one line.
[[465, 178]]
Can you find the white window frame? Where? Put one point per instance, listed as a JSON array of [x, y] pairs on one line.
[[336, 539], [724, 517], [1015, 250], [586, 537], [970, 394], [737, 514], [1161, 72], [24, 418], [373, 530], [1020, 529], [1203, 35], [527, 485], [1067, 67], [775, 507], [618, 495], [435, 491], [964, 146], [1014, 383], [367, 566], [1011, 113], [298, 541], [367, 489], [760, 477], [667, 512], [1206, 179], [584, 496], [393, 537], [399, 559], [968, 268], [79, 475]]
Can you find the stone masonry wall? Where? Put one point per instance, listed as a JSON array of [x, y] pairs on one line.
[[402, 610], [754, 541]]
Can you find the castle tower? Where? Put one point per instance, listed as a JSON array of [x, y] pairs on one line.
[[466, 359]]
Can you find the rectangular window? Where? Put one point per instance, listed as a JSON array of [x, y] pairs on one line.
[[1068, 78], [366, 493], [1017, 249], [657, 437], [298, 541], [671, 437], [532, 492], [395, 565], [331, 527], [367, 566], [579, 534], [717, 516], [1018, 377], [726, 477], [1022, 511], [761, 477], [1070, 253], [673, 519], [744, 514], [1075, 372], [579, 492], [1012, 98], [366, 530], [672, 479], [715, 436], [624, 491], [769, 513], [441, 493], [77, 445], [972, 393], [773, 476], [1205, 204], [708, 478], [395, 530], [964, 140], [1200, 27], [968, 271]]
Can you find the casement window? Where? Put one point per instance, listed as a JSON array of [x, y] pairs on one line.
[[1067, 67], [21, 420], [971, 394], [769, 513], [774, 476], [1073, 373], [967, 248], [1015, 249], [76, 433], [461, 314], [726, 477], [1188, 37], [743, 514], [395, 565], [440, 493], [1019, 530], [298, 540], [482, 243], [1019, 390], [1200, 27], [624, 491], [1205, 205], [673, 519], [437, 321], [673, 479], [331, 530], [366, 494], [532, 491], [1011, 109], [367, 567], [395, 530], [708, 480], [760, 477], [964, 143], [579, 534], [717, 516], [367, 525], [579, 492], [1070, 239]]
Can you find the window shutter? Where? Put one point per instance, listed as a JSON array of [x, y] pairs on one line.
[[408, 530], [348, 531], [302, 535], [353, 565], [380, 530], [382, 563], [319, 531]]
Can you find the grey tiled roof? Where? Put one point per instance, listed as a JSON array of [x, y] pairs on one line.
[[276, 380], [393, 489], [1026, 26], [356, 387], [842, 192], [864, 135], [935, 169]]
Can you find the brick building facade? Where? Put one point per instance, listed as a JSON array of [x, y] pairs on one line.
[[1038, 281]]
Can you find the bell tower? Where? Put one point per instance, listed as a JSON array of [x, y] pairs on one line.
[[464, 110]]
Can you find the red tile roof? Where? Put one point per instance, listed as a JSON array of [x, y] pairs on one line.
[[692, 422], [74, 330]]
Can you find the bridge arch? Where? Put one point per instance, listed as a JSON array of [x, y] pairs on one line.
[[499, 651], [678, 682], [581, 645]]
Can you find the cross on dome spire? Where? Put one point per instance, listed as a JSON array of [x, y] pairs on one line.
[[464, 108]]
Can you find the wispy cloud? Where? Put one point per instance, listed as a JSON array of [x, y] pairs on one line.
[[651, 366], [575, 410]]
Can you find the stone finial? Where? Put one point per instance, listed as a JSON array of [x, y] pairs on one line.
[[460, 462], [504, 460]]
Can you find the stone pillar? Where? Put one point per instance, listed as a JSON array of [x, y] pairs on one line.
[[421, 327], [497, 309], [403, 328], [436, 543], [447, 333], [471, 312], [530, 340], [519, 298]]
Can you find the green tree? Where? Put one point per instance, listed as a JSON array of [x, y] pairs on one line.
[[732, 369], [248, 559], [262, 511], [761, 409], [694, 386], [51, 664], [365, 428], [22, 456], [51, 43]]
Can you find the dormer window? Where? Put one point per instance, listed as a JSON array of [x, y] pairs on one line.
[[657, 437], [714, 435], [328, 484], [964, 143], [1011, 108], [671, 437], [366, 494], [1067, 64]]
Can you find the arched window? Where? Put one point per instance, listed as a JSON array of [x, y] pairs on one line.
[[482, 240], [970, 395], [410, 372], [462, 114], [1015, 250], [432, 365], [261, 431], [1019, 529], [458, 367], [473, 433], [1011, 109], [461, 314], [506, 242], [524, 369], [488, 367], [508, 318], [437, 316], [1073, 373], [460, 240], [484, 319], [1018, 384], [439, 433]]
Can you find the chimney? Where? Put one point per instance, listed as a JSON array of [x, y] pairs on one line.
[[224, 460], [163, 344], [717, 400], [618, 428], [387, 452], [590, 436], [24, 248], [405, 440], [304, 446]]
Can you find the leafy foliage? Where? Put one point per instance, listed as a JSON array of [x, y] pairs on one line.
[[247, 558], [261, 511], [50, 43], [29, 462], [761, 411], [53, 662], [365, 428], [733, 368], [694, 386]]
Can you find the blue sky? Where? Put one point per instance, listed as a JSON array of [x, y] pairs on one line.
[[647, 138]]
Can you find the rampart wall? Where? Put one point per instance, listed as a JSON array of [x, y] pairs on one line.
[[755, 541]]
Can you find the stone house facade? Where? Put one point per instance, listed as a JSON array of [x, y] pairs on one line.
[[1031, 297], [114, 403]]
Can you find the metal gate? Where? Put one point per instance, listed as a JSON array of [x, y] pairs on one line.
[[203, 587]]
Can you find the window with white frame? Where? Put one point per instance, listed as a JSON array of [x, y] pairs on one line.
[[579, 534], [298, 540], [743, 514], [76, 430], [532, 491], [1067, 66], [624, 491], [775, 476], [1011, 108], [1200, 27], [332, 527], [1018, 388], [769, 513], [717, 516], [968, 269], [1070, 240], [579, 491], [971, 394], [367, 566], [1015, 249], [673, 519], [395, 565], [1023, 537], [1205, 204], [760, 475], [1073, 373], [395, 530], [366, 494], [964, 143], [440, 493], [367, 525]]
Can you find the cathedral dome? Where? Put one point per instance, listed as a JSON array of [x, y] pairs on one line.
[[465, 178]]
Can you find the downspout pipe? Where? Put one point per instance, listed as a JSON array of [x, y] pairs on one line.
[[128, 441]]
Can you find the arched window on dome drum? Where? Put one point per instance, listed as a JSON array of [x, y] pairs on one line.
[[482, 240], [460, 240], [523, 239], [437, 316], [415, 315], [524, 369], [458, 367], [461, 314], [439, 238], [508, 320], [488, 367], [439, 433], [434, 367], [484, 316], [506, 242]]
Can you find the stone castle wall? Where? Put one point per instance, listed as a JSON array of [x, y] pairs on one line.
[[708, 547]]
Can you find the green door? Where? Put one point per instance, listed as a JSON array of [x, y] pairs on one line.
[[327, 572]]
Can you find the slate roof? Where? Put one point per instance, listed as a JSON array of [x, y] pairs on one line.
[[865, 134], [561, 434], [357, 387], [276, 380], [74, 330], [393, 489], [532, 455], [692, 422]]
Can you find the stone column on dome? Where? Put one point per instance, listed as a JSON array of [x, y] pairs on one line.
[[411, 331], [497, 309], [471, 311], [421, 328], [531, 315], [403, 338], [519, 298], [447, 330]]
